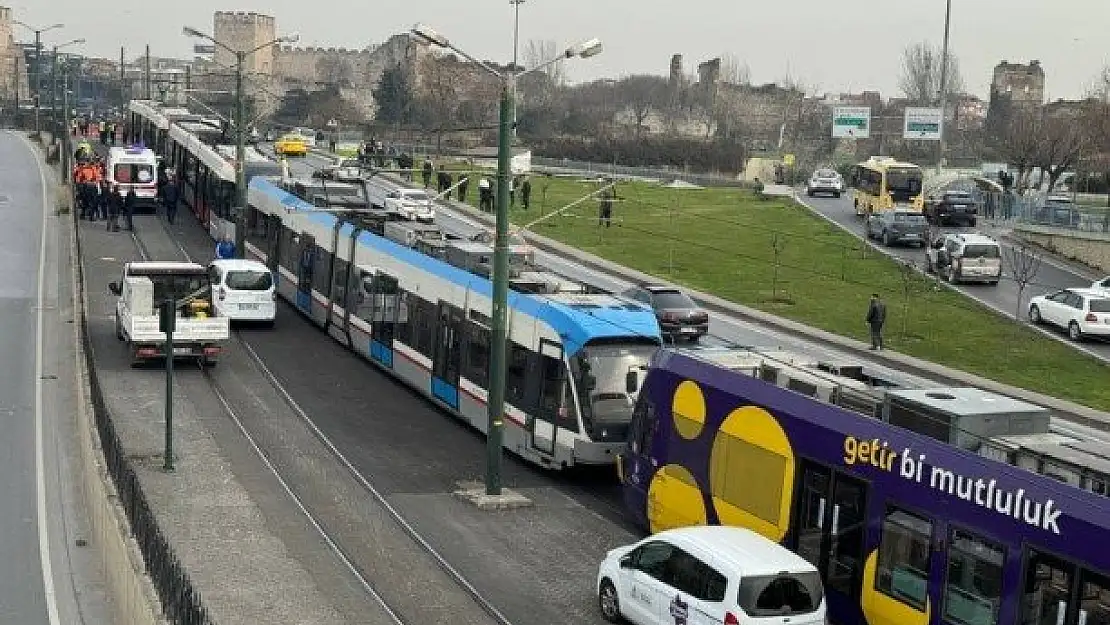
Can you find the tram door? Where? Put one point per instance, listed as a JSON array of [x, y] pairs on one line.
[[552, 379], [342, 296], [1057, 592], [830, 519], [273, 243], [445, 364], [306, 266], [387, 313]]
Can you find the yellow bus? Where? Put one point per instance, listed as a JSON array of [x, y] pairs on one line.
[[882, 183]]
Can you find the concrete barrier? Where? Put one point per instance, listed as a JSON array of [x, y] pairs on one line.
[[133, 596], [1090, 248], [1068, 410]]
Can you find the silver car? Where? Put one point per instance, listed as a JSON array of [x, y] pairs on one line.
[[897, 226]]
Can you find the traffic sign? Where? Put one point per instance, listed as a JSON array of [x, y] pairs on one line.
[[851, 122], [923, 124]]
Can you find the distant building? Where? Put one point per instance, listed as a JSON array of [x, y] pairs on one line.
[[1015, 85], [13, 67], [969, 112]]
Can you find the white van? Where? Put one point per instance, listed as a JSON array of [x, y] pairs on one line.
[[136, 168], [709, 574], [243, 290]]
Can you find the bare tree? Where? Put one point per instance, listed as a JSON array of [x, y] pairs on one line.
[[907, 270], [734, 71], [1019, 141], [921, 69], [437, 97], [1025, 262], [1060, 144], [642, 94], [778, 246]]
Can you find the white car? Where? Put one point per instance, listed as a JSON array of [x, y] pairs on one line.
[[709, 574], [1102, 284], [243, 290], [1082, 312], [825, 181], [411, 204]]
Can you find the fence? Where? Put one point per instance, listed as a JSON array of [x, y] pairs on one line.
[[181, 603]]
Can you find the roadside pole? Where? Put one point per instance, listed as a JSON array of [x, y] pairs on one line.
[[167, 321]]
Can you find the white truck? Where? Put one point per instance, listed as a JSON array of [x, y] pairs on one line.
[[141, 292]]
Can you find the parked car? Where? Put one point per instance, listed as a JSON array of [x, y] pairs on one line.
[[825, 181], [679, 316], [1102, 283], [1058, 210], [896, 226], [291, 145], [953, 206], [410, 204], [1082, 312], [965, 257], [243, 290], [709, 574]]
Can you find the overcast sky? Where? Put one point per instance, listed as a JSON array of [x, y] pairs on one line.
[[828, 45]]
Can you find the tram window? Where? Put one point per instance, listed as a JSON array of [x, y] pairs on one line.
[[339, 282], [553, 379], [288, 250], [422, 317], [973, 590], [516, 378], [476, 367], [1094, 599], [904, 555]]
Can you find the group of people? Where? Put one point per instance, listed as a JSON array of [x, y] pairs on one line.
[[106, 130], [98, 199]]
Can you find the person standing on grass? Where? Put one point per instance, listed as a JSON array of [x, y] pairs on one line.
[[876, 317], [526, 193]]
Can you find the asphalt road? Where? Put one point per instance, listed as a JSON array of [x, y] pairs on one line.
[[1051, 276]]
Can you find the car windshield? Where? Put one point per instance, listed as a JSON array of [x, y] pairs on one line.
[[672, 299], [825, 173], [982, 251], [1100, 305], [958, 197], [249, 280], [607, 401], [415, 196], [904, 179]]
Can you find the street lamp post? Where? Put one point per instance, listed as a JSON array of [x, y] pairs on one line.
[[499, 335], [54, 117], [37, 95], [943, 85], [240, 128], [516, 48]]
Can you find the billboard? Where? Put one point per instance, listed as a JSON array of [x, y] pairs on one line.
[[851, 122], [922, 123]]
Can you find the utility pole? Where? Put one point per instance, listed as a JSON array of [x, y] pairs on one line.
[[944, 84], [54, 85], [122, 80], [188, 78], [500, 288], [36, 90], [15, 86], [240, 207], [146, 75], [516, 47], [168, 321], [77, 82], [65, 156]]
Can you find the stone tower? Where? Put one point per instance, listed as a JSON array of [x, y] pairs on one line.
[[676, 71], [245, 31], [1021, 84], [13, 68]]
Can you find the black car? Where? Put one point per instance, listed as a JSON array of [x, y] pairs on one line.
[[957, 207], [679, 317]]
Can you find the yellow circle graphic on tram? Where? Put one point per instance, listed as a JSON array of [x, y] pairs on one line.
[[751, 473], [674, 499], [688, 409]]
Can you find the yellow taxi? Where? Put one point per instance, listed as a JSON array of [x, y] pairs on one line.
[[290, 145]]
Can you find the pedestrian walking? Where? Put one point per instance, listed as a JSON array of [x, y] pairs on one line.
[[876, 317], [485, 195], [605, 207], [225, 249], [526, 193], [129, 203], [460, 191], [427, 173], [102, 200], [169, 198], [115, 205]]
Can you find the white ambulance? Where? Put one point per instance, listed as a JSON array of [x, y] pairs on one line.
[[136, 168]]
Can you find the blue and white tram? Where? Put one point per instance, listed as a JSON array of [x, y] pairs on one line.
[[205, 178], [428, 323]]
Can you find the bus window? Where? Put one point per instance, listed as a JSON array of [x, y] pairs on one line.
[[904, 558], [1048, 583], [973, 590]]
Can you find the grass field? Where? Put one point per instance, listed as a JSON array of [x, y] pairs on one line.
[[778, 257]]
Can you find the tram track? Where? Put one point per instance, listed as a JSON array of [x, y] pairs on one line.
[[349, 561]]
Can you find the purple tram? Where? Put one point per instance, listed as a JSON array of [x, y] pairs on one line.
[[905, 529]]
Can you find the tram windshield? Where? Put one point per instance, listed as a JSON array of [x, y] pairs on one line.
[[602, 372]]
